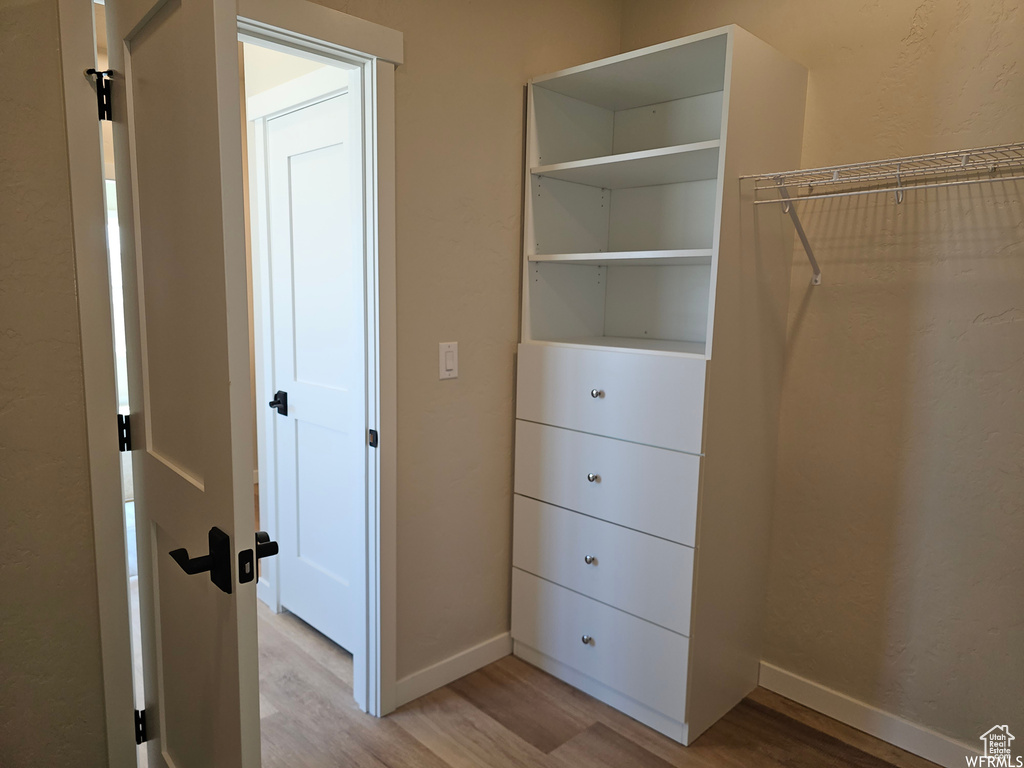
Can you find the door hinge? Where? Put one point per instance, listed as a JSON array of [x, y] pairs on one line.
[[372, 438], [140, 727], [103, 92], [124, 433]]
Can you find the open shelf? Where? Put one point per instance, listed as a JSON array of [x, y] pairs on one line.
[[659, 308], [565, 129], [663, 72], [650, 167], [577, 219], [666, 258], [624, 158], [662, 346]]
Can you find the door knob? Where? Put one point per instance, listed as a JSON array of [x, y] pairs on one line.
[[247, 560], [597, 393], [587, 640], [280, 402], [589, 559], [592, 478], [217, 562]]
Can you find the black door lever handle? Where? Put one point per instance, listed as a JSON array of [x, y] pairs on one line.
[[190, 565], [217, 562], [264, 546], [280, 402]]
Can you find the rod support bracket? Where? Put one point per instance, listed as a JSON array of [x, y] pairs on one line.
[[789, 206]]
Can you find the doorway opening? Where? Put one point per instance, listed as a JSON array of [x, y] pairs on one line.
[[305, 243]]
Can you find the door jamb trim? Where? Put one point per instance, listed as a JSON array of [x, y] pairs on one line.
[[76, 21]]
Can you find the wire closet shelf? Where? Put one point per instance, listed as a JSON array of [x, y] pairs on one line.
[[1004, 162], [897, 176]]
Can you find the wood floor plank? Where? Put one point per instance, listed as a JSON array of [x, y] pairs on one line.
[[464, 736], [266, 708], [284, 744], [601, 747], [753, 734], [332, 656], [588, 709], [317, 724], [841, 731], [513, 715], [504, 692]]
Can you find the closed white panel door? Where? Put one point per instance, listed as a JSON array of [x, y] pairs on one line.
[[177, 142], [319, 338]]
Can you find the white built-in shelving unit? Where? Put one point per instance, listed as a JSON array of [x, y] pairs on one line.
[[624, 184], [649, 373]]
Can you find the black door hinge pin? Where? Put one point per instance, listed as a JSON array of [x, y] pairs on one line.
[[140, 727], [102, 92], [124, 433]]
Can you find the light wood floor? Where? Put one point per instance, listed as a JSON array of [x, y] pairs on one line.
[[512, 714]]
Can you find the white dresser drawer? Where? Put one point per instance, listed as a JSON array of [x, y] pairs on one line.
[[650, 399], [640, 574], [633, 656], [648, 489]]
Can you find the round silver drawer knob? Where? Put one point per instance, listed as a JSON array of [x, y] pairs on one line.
[[589, 559], [597, 393], [588, 640], [592, 478]]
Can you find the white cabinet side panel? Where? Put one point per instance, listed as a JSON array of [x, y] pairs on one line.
[[568, 218], [569, 129], [765, 122]]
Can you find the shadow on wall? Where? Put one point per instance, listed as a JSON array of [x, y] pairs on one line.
[[899, 507]]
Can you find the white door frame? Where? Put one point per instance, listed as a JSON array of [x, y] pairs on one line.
[[88, 216], [294, 23]]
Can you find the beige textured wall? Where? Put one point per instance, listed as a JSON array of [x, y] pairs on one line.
[[459, 179], [897, 569], [459, 158], [51, 696]]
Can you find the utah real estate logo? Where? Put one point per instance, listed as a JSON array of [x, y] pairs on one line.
[[997, 750]]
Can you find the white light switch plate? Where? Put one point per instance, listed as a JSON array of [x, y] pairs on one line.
[[448, 360]]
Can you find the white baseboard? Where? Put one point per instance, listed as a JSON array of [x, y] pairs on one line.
[[461, 664], [895, 730]]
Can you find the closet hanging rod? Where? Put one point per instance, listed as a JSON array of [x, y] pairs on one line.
[[1003, 162]]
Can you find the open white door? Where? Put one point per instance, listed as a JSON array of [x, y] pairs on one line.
[[177, 142], [179, 168]]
